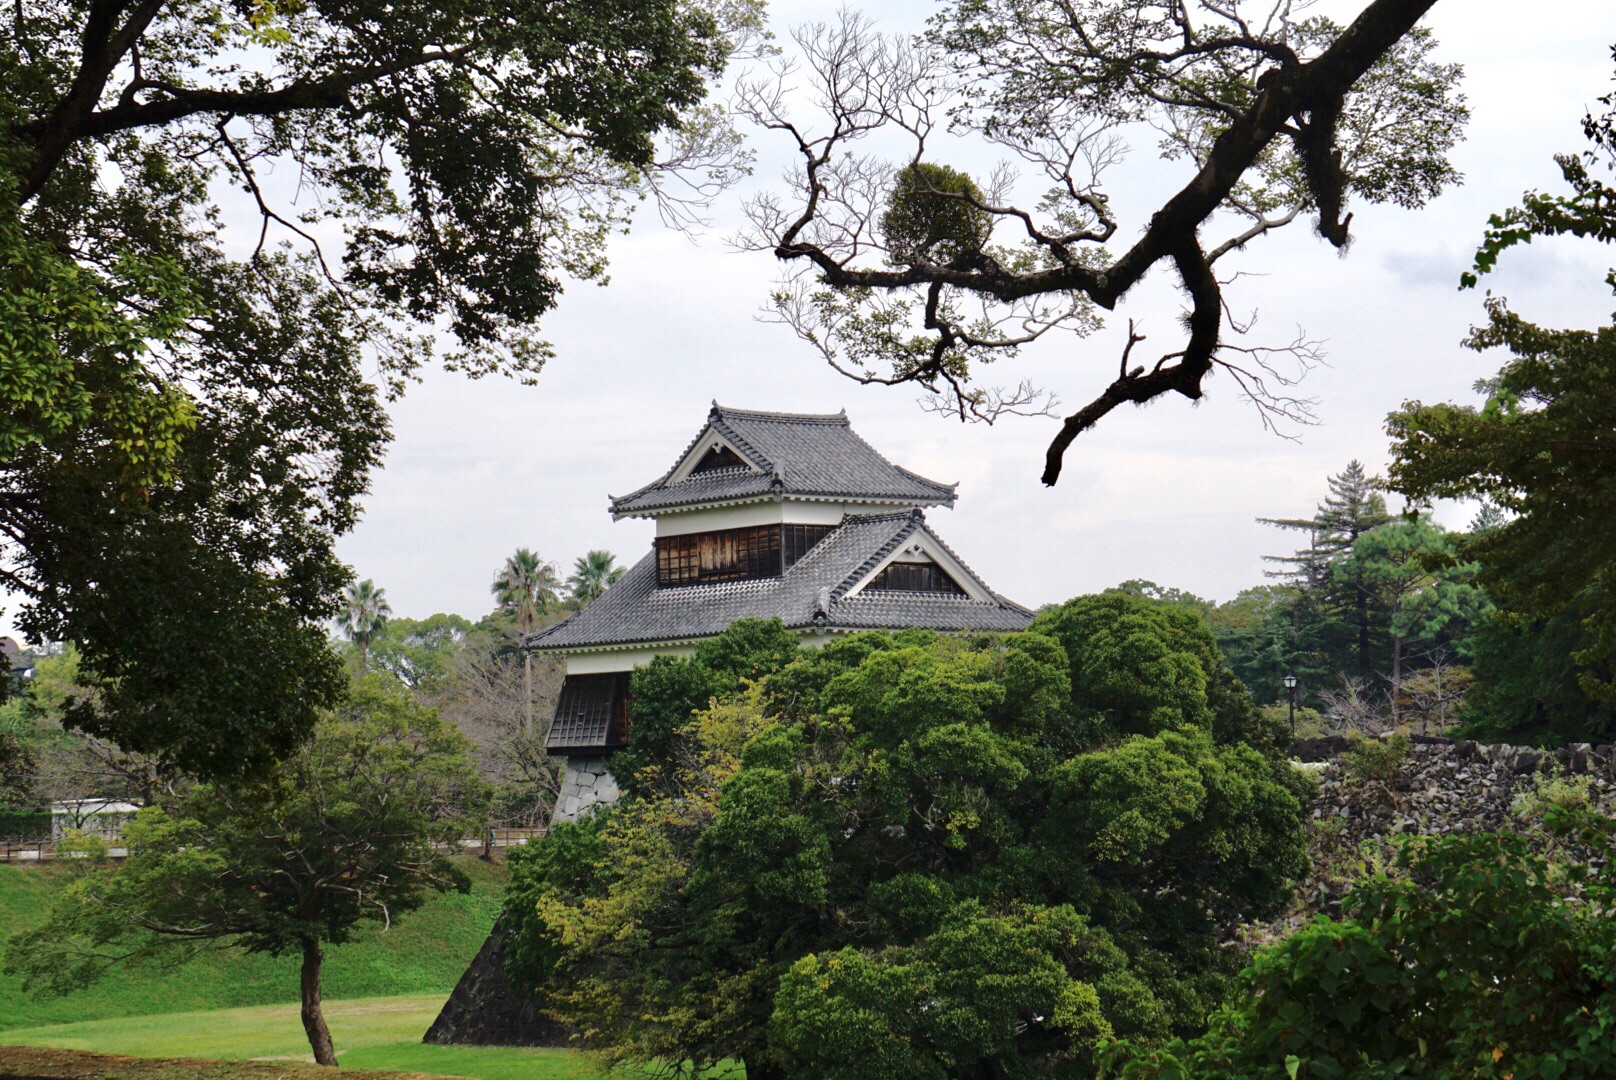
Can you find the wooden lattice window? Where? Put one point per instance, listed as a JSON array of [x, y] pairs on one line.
[[592, 713], [725, 555], [914, 577], [799, 540], [719, 457]]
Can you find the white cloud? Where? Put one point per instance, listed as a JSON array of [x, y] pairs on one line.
[[1169, 492]]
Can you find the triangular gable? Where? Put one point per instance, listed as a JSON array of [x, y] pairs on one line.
[[710, 443], [921, 548]]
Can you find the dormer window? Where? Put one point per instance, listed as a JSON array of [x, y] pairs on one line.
[[914, 576], [719, 457]]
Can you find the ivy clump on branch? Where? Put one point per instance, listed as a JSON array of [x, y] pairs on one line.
[[1279, 117]]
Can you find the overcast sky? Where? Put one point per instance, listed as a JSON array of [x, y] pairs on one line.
[[1169, 492]]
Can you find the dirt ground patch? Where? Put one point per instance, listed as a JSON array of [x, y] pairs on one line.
[[45, 1063]]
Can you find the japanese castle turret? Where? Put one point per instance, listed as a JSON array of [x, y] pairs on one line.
[[765, 515]]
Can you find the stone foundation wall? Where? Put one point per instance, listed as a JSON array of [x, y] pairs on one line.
[[487, 1010], [586, 784], [1441, 787]]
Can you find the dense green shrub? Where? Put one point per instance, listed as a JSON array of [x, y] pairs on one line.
[[1375, 759], [1471, 963], [921, 855], [24, 824]]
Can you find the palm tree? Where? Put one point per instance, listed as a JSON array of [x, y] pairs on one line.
[[526, 588], [592, 575], [364, 612]]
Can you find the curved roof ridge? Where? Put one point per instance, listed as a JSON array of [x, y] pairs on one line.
[[801, 455], [839, 418], [916, 476]]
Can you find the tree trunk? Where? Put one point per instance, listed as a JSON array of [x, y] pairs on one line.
[[313, 1019], [527, 691], [1363, 631], [1397, 680]]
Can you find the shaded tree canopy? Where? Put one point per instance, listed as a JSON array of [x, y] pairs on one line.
[[1277, 114], [922, 855], [185, 429], [351, 828], [1541, 448], [1471, 961]]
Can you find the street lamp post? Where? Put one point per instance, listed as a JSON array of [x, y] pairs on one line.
[[1290, 692]]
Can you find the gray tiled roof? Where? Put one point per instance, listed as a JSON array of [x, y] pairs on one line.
[[809, 594], [793, 454]]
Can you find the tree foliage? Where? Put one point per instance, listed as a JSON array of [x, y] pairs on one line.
[[1529, 688], [1275, 113], [349, 829], [922, 855], [1474, 961], [186, 421], [668, 691], [934, 215], [1540, 448], [1371, 605], [592, 574], [364, 614]]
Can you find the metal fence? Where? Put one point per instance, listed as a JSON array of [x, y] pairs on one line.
[[30, 851]]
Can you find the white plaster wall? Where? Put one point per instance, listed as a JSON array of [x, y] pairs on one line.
[[598, 663], [790, 511]]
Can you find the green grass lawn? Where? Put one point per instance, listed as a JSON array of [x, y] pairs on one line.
[[373, 1033], [424, 953]]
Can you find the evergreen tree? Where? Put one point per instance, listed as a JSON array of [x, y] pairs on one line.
[[1332, 616]]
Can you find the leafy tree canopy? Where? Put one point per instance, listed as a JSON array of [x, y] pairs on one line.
[[910, 854], [1540, 447], [668, 691], [1529, 688], [1471, 963], [420, 653], [184, 430], [351, 828]]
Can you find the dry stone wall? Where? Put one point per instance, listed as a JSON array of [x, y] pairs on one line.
[[486, 1009], [1440, 787], [586, 784]]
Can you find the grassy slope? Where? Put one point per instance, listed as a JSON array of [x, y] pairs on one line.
[[425, 953]]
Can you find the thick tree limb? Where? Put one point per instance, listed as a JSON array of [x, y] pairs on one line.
[[104, 44], [1299, 100]]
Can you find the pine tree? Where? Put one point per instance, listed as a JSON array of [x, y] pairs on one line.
[[1352, 508]]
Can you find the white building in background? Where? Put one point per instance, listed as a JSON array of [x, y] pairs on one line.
[[95, 817], [765, 515]]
